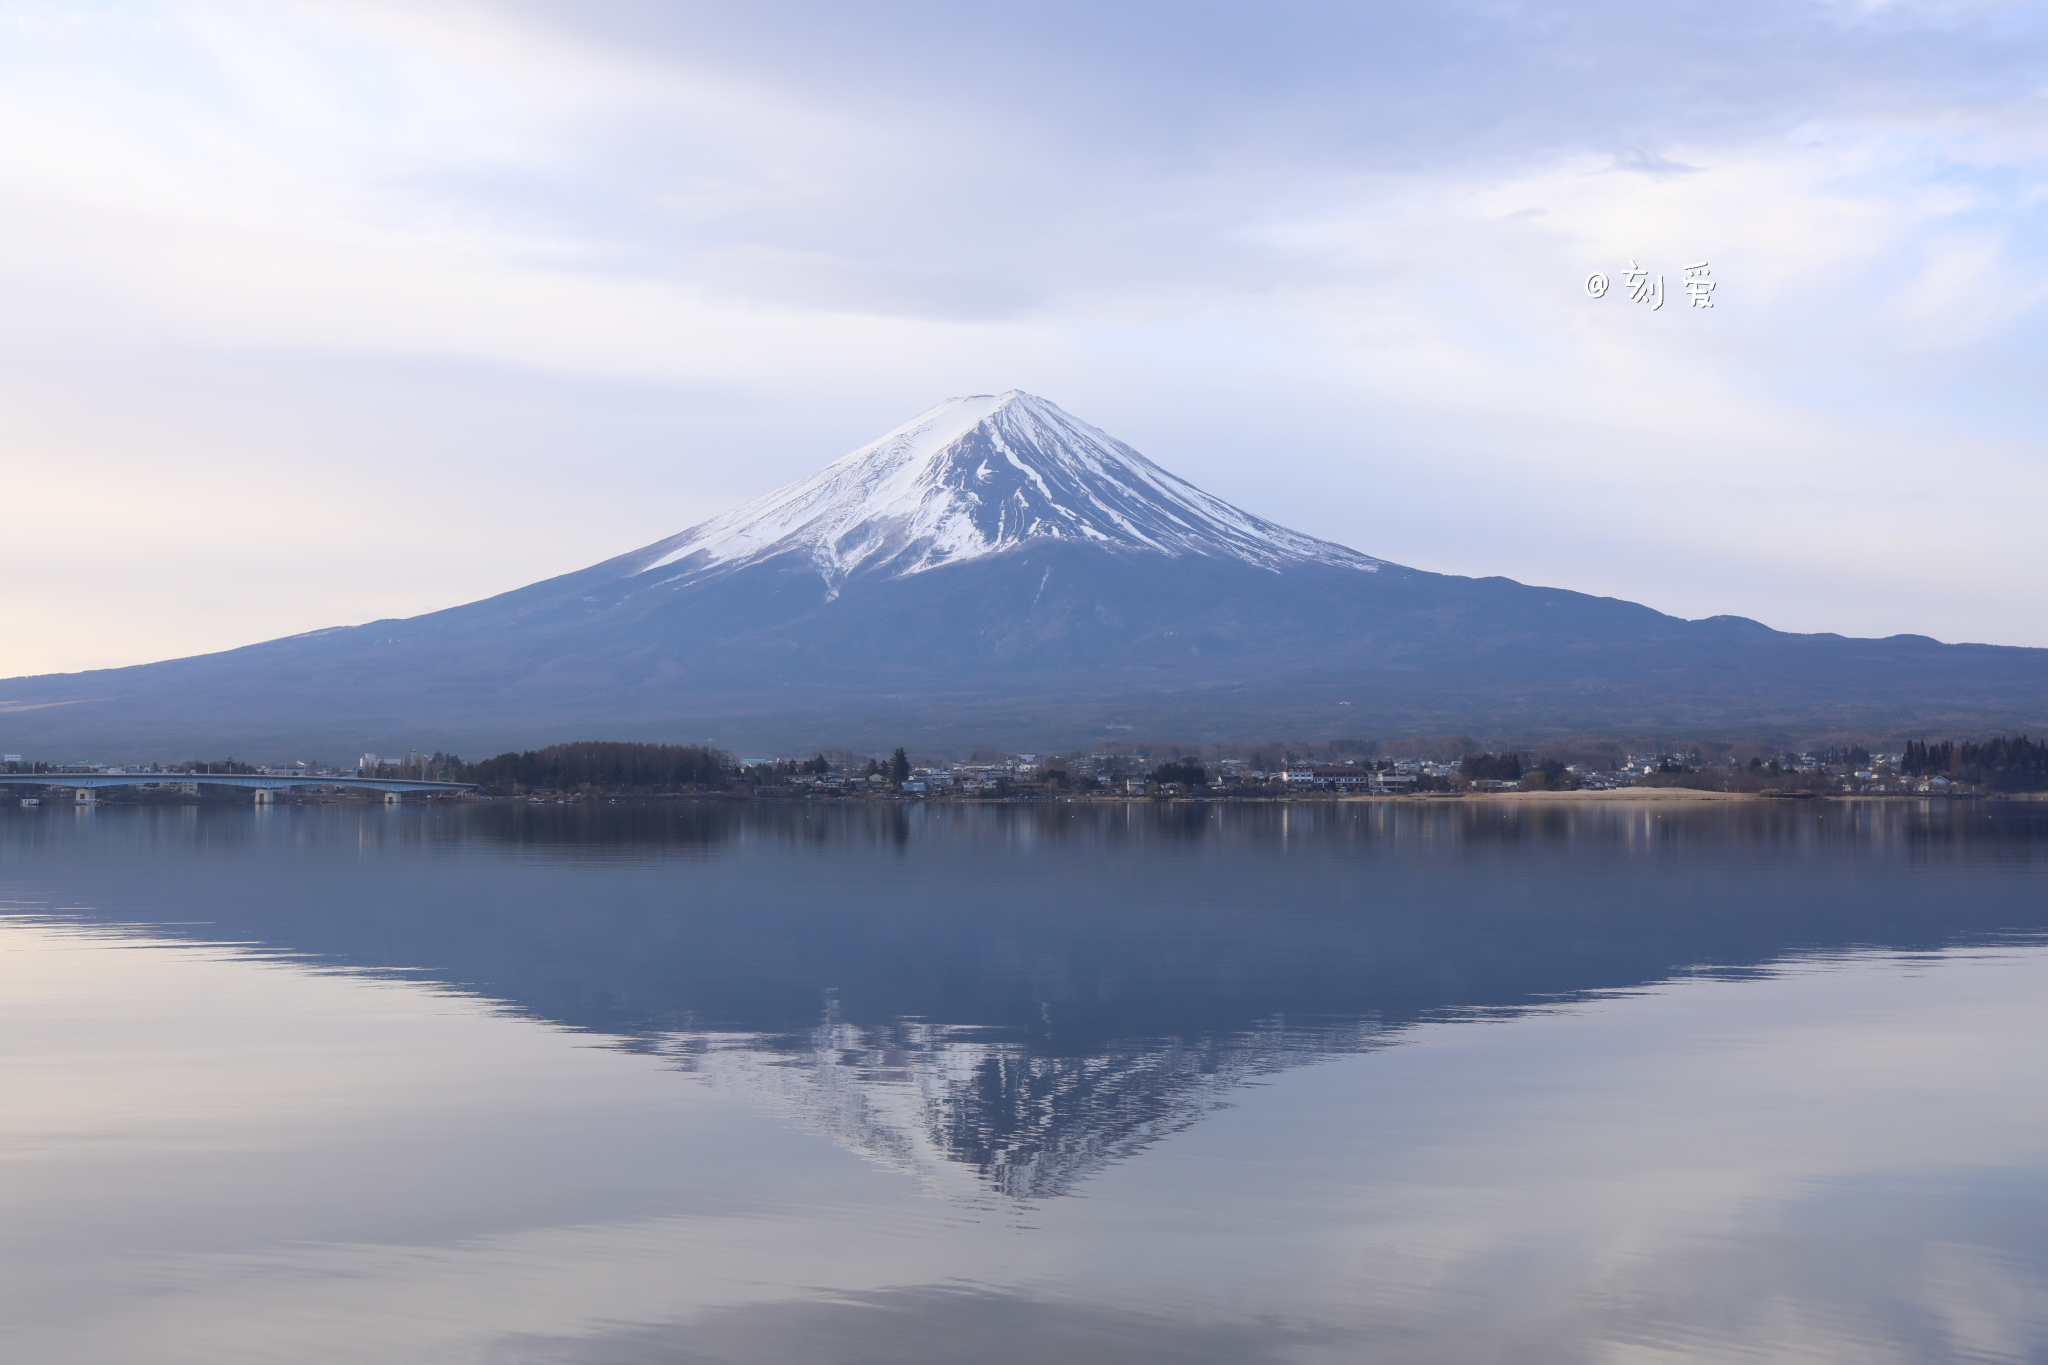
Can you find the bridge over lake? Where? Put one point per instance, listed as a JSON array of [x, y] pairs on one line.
[[83, 786]]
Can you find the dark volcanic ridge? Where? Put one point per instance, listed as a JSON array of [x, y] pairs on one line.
[[998, 572]]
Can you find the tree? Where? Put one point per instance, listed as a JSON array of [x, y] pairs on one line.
[[612, 766], [1187, 771], [1491, 767], [899, 767], [2017, 764]]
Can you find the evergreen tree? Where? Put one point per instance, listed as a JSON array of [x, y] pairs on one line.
[[1188, 771], [2017, 764], [1492, 767], [565, 767], [899, 767]]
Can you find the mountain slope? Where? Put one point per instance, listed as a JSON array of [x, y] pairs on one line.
[[997, 571]]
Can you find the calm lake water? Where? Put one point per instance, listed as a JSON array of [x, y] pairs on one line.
[[692, 1084]]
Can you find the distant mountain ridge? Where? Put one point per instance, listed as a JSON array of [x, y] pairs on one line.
[[998, 571]]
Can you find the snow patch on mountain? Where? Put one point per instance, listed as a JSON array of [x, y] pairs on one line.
[[976, 476], [939, 1104]]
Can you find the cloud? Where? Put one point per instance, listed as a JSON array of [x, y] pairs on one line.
[[1355, 231]]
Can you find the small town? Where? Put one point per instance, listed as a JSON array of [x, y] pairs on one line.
[[1096, 776], [601, 770]]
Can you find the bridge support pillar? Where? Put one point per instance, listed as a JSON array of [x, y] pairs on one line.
[[86, 796], [264, 796], [392, 798]]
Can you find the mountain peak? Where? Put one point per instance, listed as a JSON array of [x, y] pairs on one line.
[[978, 475]]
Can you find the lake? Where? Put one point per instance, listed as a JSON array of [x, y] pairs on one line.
[[767, 1083]]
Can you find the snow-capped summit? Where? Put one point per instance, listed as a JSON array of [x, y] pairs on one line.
[[976, 476]]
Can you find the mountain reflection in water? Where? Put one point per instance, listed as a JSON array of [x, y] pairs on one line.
[[1020, 996]]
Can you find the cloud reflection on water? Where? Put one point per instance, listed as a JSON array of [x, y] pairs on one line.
[[1428, 1087]]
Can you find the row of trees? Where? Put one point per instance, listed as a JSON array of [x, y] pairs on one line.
[[649, 767], [896, 770], [2001, 764], [1548, 776], [782, 769], [614, 766], [1187, 771], [1493, 767]]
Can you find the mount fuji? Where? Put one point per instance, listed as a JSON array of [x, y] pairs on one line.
[[998, 571], [975, 477]]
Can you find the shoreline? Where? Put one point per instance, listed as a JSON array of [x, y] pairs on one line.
[[1623, 795], [1639, 794], [1617, 795]]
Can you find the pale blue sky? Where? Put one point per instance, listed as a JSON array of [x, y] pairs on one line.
[[318, 312]]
